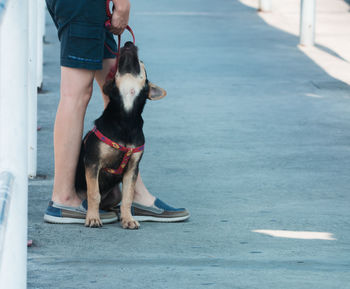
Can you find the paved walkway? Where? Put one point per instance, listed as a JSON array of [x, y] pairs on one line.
[[253, 135]]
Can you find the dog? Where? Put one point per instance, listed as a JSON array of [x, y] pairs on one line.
[[110, 153]]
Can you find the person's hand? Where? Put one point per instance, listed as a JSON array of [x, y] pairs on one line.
[[120, 16]]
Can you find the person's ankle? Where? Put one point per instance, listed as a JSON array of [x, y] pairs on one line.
[[67, 200], [144, 198]]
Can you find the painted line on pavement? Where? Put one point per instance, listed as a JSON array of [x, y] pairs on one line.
[[306, 235], [185, 13]]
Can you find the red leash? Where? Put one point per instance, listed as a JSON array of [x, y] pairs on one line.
[[109, 11]]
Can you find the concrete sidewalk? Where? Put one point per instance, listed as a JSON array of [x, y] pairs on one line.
[[252, 135]]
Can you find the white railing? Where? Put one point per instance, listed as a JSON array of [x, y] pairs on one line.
[[32, 85], [307, 22], [6, 182], [19, 53], [307, 19], [41, 7], [265, 5]]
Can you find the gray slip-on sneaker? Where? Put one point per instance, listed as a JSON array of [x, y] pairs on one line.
[[60, 214], [158, 212]]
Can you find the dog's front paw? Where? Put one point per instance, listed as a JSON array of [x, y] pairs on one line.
[[130, 223], [93, 221]]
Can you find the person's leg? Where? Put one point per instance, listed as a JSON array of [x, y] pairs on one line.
[[76, 90], [142, 195], [81, 37], [100, 76]]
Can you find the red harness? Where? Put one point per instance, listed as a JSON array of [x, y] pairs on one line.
[[128, 151], [109, 11]]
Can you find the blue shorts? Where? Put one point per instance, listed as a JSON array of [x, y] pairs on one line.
[[81, 31]]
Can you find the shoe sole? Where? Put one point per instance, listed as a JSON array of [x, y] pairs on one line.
[[61, 220], [160, 219]]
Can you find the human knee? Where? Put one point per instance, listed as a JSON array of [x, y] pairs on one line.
[[76, 86], [77, 97]]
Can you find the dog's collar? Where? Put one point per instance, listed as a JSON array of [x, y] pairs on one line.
[[128, 151]]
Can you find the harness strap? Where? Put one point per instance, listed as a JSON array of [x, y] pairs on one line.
[[128, 151]]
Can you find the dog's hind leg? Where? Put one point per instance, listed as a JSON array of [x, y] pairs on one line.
[[80, 179], [94, 198]]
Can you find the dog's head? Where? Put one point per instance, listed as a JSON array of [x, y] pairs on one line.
[[131, 81]]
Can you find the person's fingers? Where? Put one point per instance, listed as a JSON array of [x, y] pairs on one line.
[[120, 19], [117, 31], [117, 28]]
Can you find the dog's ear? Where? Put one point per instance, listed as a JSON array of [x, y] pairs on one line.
[[155, 92], [110, 88]]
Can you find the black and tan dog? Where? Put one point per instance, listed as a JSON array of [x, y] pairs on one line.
[[111, 152]]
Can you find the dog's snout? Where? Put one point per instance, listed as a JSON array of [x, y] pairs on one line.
[[129, 61], [128, 45]]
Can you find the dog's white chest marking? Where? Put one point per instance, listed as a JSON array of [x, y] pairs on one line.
[[129, 88]]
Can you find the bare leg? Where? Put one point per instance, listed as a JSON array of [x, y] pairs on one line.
[[76, 90], [142, 195], [101, 75]]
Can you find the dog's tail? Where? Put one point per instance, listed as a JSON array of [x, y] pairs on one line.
[[80, 181]]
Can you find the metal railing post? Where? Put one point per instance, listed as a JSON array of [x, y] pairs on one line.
[[32, 87], [307, 22], [41, 7], [13, 139], [265, 5]]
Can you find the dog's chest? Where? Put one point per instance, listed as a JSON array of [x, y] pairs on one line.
[[129, 90], [108, 156], [111, 157]]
